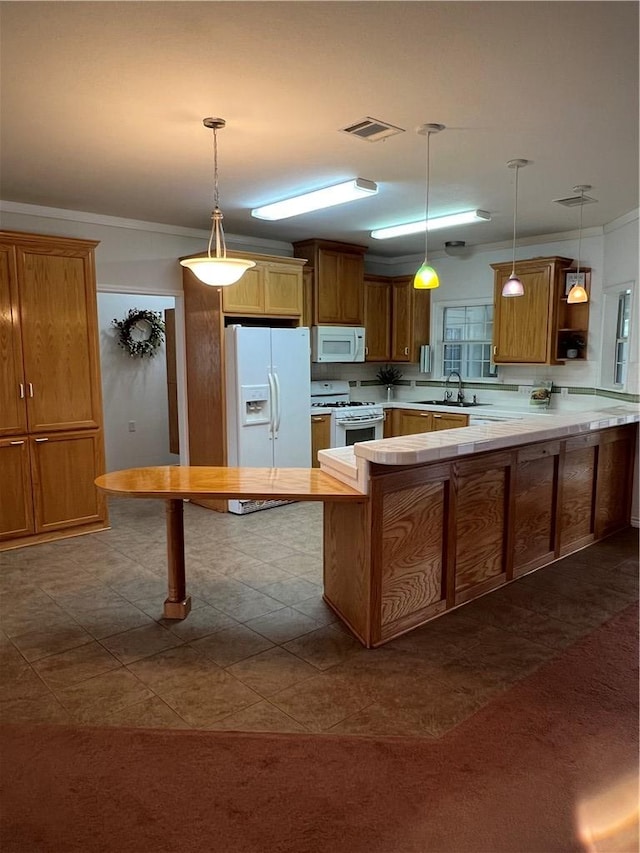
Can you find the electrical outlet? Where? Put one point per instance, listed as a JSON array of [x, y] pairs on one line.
[[132, 426]]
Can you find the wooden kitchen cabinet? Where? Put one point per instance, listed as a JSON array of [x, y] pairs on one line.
[[396, 319], [377, 318], [338, 281], [534, 328], [50, 386], [270, 289], [411, 421], [449, 420], [320, 436], [52, 482], [410, 310], [16, 506], [48, 303], [415, 421]]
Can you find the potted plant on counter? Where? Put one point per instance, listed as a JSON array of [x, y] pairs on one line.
[[389, 375], [574, 343]]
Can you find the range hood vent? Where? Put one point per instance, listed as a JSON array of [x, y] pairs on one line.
[[371, 129], [574, 200]]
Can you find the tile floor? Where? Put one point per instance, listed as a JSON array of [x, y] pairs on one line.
[[82, 639]]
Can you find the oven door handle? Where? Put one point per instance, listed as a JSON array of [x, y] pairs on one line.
[[360, 423]]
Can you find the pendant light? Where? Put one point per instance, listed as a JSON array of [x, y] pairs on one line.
[[427, 278], [513, 286], [578, 292], [217, 270]]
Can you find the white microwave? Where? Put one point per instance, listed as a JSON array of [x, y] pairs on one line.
[[337, 343]]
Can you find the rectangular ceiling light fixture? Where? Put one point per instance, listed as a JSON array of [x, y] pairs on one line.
[[465, 218], [317, 200]]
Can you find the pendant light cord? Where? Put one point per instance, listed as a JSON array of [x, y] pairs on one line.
[[580, 236], [216, 216], [515, 217], [426, 205]]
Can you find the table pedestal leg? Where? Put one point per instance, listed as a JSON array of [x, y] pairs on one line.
[[177, 604]]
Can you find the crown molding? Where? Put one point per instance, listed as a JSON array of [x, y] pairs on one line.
[[621, 221], [275, 246]]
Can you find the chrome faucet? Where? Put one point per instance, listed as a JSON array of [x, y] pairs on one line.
[[447, 393]]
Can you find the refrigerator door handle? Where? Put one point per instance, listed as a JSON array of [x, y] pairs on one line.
[[278, 415], [272, 404]]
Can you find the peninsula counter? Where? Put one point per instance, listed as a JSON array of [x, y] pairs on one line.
[[453, 515]]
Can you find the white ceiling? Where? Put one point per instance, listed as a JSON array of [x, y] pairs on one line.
[[102, 107]]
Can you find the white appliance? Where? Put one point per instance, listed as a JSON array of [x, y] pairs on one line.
[[337, 343], [350, 421], [268, 388]]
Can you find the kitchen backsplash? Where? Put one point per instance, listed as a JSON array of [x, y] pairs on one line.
[[414, 386]]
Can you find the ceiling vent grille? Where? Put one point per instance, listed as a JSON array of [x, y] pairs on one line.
[[371, 129], [574, 200]]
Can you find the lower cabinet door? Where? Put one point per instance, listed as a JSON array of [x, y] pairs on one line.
[[412, 422], [64, 467], [320, 436], [16, 504]]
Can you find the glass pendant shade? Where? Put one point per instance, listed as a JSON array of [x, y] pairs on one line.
[[577, 294], [426, 278], [513, 286], [217, 272]]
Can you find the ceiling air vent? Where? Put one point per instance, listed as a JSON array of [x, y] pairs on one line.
[[371, 129], [574, 200]]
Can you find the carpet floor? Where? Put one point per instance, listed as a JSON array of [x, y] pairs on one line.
[[551, 765]]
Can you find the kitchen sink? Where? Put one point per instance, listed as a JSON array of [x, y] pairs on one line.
[[465, 404]]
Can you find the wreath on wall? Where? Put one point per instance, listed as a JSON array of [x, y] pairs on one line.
[[141, 332]]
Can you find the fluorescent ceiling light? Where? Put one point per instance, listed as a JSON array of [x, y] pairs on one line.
[[328, 197], [464, 218]]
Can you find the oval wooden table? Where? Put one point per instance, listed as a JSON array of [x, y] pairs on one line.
[[176, 483]]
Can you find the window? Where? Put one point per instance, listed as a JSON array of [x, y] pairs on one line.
[[466, 341], [622, 338], [619, 353]]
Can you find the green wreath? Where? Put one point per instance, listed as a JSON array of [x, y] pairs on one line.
[[153, 325]]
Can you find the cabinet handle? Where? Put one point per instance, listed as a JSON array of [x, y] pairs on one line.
[[317, 419], [406, 350], [437, 416], [30, 387], [39, 440], [16, 442], [495, 350], [21, 386], [427, 414], [366, 350]]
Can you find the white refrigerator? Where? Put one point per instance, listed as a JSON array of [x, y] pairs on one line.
[[268, 385]]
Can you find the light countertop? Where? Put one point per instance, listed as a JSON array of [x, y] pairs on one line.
[[350, 464]]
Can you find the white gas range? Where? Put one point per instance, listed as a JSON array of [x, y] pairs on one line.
[[350, 421]]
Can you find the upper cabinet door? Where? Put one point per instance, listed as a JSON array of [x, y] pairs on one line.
[[377, 318], [246, 296], [522, 322], [525, 327], [401, 339], [283, 291], [337, 282], [59, 335], [13, 407]]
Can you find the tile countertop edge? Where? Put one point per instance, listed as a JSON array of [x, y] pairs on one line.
[[341, 463], [445, 444]]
